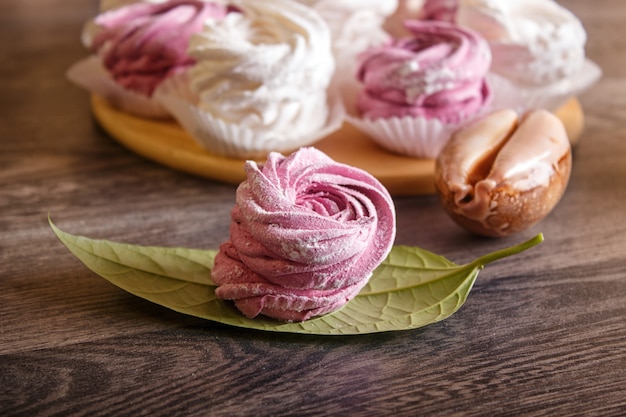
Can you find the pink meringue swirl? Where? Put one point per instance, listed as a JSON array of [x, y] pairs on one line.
[[440, 10], [438, 72], [305, 236], [143, 43]]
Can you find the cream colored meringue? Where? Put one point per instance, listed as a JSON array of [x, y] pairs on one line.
[[533, 42], [266, 68], [354, 25]]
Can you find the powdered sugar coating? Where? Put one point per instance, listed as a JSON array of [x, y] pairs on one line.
[[438, 72], [306, 234], [141, 44]]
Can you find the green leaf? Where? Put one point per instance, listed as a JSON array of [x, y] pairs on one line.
[[410, 289]]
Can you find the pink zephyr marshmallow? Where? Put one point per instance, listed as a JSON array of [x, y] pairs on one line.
[[143, 43], [305, 236], [438, 72], [440, 10]]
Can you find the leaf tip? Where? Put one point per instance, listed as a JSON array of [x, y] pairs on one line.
[[54, 228]]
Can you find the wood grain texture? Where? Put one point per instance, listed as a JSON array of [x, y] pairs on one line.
[[542, 334]]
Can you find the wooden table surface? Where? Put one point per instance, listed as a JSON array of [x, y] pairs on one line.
[[543, 333]]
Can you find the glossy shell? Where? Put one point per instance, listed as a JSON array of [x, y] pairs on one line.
[[502, 174]]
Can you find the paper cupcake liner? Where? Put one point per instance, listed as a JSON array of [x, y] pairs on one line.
[[230, 139], [416, 137], [92, 76], [521, 99]]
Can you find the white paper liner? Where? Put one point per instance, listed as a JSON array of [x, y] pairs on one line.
[[230, 139], [92, 76], [508, 95], [424, 138], [416, 137]]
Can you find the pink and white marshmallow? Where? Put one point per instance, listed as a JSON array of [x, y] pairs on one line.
[[306, 234]]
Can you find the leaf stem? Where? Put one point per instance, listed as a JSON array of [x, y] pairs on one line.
[[503, 253]]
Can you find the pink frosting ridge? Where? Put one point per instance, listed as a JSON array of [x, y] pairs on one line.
[[143, 43], [438, 72], [306, 234], [440, 10]]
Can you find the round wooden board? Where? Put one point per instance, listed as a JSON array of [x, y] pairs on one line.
[[165, 142]]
